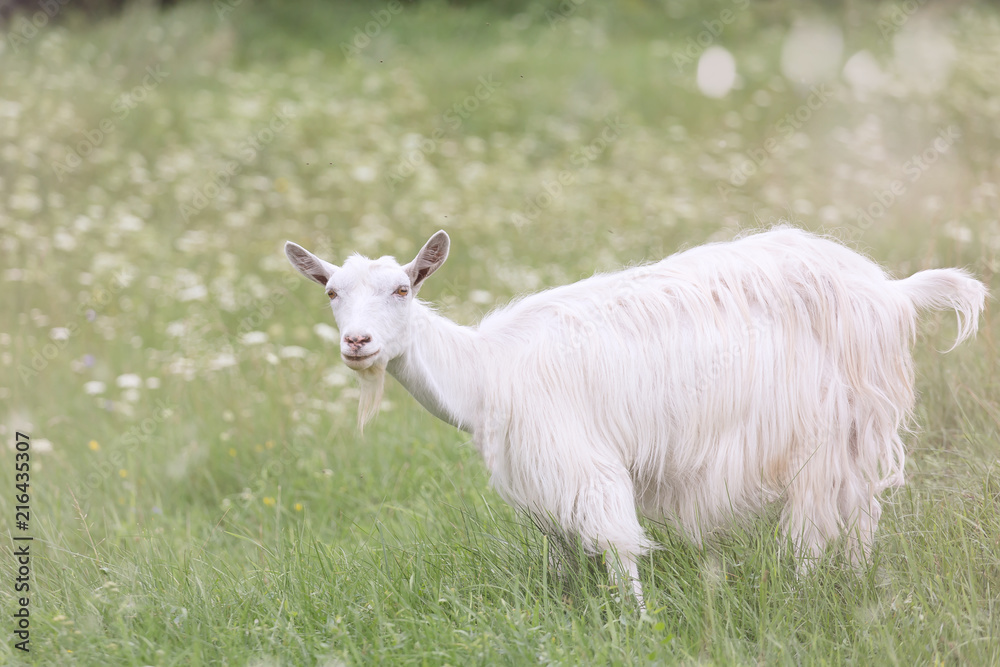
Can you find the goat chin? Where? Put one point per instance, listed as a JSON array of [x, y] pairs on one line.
[[371, 382]]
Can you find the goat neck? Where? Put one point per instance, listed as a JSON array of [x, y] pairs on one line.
[[438, 367]]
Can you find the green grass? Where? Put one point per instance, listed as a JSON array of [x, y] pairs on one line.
[[227, 511]]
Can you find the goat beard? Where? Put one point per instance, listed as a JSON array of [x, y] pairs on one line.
[[371, 382]]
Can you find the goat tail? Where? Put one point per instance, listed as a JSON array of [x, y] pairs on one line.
[[943, 289]]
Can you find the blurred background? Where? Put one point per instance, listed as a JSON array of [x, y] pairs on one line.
[[201, 490]]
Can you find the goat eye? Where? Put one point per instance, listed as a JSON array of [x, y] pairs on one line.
[[332, 295], [402, 290]]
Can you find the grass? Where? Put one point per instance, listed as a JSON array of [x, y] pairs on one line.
[[206, 498]]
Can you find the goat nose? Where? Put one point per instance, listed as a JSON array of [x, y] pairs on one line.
[[357, 341]]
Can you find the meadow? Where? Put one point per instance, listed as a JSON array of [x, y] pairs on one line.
[[199, 491]]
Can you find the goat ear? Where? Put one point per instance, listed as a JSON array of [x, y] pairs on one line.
[[308, 264], [428, 260]]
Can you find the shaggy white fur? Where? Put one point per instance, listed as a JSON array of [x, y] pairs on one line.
[[696, 389]]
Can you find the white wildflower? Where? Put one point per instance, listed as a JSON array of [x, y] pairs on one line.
[[254, 338], [94, 387], [129, 381], [293, 352], [224, 360], [326, 332], [336, 376], [176, 329], [193, 293], [480, 296]]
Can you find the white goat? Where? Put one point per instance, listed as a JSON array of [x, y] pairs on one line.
[[699, 388]]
